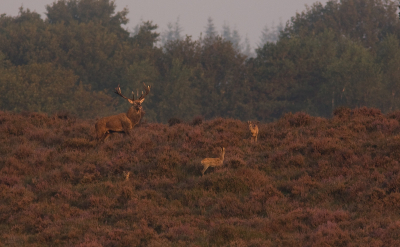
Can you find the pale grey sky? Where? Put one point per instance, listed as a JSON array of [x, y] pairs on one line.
[[249, 17]]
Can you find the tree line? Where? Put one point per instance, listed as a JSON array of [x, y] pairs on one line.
[[344, 53]]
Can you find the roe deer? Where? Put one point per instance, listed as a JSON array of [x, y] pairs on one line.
[[213, 162], [254, 130], [122, 122], [126, 175]]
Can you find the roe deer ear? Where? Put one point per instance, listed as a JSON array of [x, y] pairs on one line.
[[126, 175]]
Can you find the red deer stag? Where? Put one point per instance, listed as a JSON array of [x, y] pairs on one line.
[[122, 122]]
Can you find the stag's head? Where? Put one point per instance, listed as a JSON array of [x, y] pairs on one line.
[[136, 104]]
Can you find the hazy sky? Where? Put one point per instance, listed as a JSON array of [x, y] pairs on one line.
[[249, 17]]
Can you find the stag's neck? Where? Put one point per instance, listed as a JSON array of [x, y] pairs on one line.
[[133, 115]]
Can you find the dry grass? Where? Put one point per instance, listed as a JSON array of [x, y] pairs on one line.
[[307, 181]]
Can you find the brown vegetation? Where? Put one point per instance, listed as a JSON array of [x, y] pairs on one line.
[[308, 181]]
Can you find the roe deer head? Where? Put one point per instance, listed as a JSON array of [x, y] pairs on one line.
[[126, 175], [253, 130], [213, 162], [122, 122]]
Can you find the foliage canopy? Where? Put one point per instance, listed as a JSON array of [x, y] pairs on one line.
[[340, 54]]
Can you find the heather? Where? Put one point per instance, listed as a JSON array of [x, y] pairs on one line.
[[308, 181]]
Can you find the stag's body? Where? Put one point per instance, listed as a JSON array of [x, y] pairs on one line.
[[253, 130], [123, 122], [213, 162], [118, 123]]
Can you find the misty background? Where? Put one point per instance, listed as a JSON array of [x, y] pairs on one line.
[[71, 55], [245, 19]]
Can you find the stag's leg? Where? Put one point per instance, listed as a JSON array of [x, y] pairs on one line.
[[205, 168], [106, 135], [103, 137], [127, 127], [100, 129], [127, 132], [99, 136]]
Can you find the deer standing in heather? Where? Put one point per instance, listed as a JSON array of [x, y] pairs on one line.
[[126, 175], [254, 130], [213, 162], [123, 122]]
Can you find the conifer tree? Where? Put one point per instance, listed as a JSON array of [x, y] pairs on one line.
[[173, 32], [210, 28]]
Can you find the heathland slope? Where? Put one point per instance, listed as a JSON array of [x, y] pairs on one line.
[[308, 181]]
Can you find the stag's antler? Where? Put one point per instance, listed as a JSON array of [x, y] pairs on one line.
[[118, 91], [147, 88], [141, 99]]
